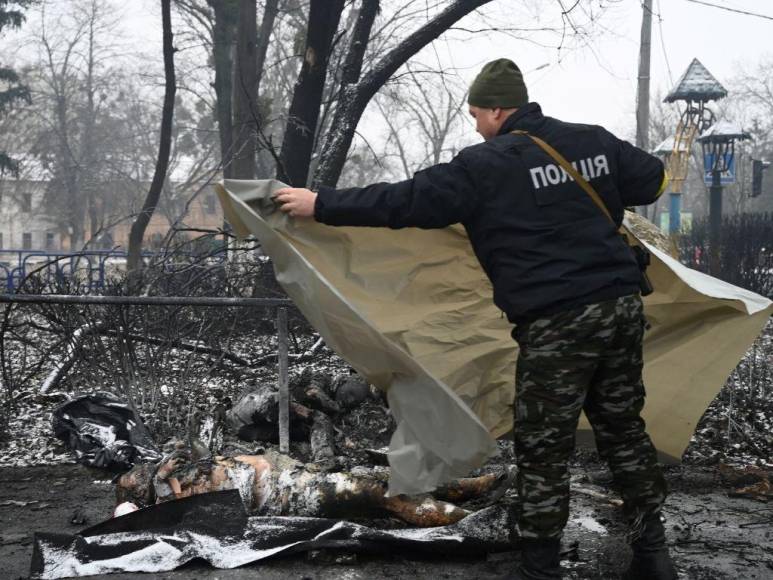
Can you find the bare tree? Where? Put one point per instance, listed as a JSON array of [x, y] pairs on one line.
[[62, 84], [422, 114], [14, 91], [753, 100], [343, 53], [214, 24], [356, 95], [245, 92], [73, 93], [303, 115], [228, 30], [137, 232], [330, 86]]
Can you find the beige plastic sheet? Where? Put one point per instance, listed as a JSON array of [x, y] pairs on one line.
[[411, 311]]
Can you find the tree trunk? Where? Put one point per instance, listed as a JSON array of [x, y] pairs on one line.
[[270, 13], [222, 53], [68, 174], [353, 64], [88, 156], [245, 95], [354, 98], [298, 142], [140, 224], [266, 26]]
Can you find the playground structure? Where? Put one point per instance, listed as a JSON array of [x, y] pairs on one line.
[[695, 88]]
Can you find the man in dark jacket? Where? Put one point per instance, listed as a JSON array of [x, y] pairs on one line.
[[567, 280]]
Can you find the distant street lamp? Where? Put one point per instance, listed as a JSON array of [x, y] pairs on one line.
[[718, 144]]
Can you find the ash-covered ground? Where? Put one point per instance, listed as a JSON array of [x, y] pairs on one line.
[[719, 521]]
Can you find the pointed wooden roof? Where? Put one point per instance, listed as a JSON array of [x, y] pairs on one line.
[[696, 84]]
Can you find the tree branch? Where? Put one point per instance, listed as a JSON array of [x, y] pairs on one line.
[[324, 16], [355, 98], [159, 176]]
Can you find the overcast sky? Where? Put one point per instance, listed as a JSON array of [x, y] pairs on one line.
[[597, 84]]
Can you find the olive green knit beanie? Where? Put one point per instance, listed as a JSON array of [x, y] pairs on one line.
[[498, 85]]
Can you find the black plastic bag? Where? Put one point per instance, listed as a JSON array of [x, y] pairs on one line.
[[213, 527], [103, 431]]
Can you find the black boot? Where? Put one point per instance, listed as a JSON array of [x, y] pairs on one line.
[[540, 560], [651, 560]]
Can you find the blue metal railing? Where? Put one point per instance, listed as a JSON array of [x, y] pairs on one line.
[[57, 266]]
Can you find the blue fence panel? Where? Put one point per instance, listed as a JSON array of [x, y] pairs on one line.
[[63, 265]]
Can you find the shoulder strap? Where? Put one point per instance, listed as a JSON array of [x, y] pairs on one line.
[[579, 179]]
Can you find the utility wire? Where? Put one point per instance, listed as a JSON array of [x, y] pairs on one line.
[[731, 9], [665, 52], [663, 44], [659, 16]]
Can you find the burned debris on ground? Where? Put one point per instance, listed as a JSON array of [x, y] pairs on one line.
[[204, 386]]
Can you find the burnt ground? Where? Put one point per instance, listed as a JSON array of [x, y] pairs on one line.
[[712, 535]]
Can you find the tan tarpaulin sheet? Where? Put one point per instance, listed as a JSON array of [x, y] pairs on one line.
[[411, 311]]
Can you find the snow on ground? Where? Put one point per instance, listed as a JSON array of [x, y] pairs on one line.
[[737, 427]]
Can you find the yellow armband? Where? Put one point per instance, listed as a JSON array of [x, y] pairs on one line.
[[663, 185]]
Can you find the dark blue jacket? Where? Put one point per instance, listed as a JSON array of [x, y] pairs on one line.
[[538, 235]]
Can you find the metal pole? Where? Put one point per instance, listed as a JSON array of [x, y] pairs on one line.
[[674, 213], [715, 222], [730, 415], [142, 300], [284, 391]]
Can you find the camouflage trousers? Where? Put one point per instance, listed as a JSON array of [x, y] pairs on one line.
[[588, 358]]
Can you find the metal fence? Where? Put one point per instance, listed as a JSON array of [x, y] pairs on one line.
[[745, 253], [279, 304], [90, 267]]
